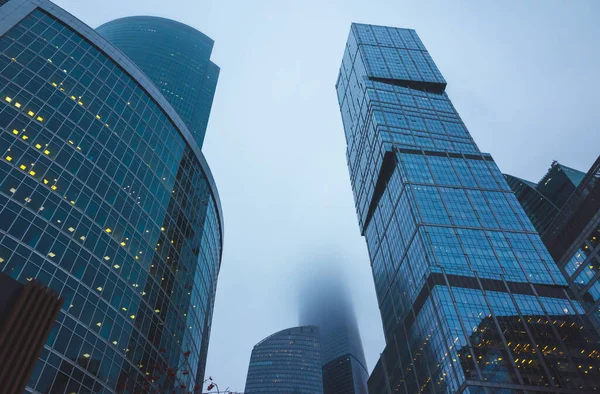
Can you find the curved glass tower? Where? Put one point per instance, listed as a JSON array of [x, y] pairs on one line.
[[176, 57], [288, 361], [106, 197]]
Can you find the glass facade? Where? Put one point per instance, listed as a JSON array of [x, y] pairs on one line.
[[106, 198], [571, 232], [326, 303], [471, 300], [176, 57], [286, 362]]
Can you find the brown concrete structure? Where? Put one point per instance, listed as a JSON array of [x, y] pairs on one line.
[[27, 313]]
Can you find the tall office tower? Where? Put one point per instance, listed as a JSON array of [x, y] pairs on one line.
[[176, 57], [27, 313], [325, 303], [288, 361], [571, 229], [471, 300], [543, 201], [106, 197]]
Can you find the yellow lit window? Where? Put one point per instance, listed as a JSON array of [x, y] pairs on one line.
[[117, 266], [50, 60], [71, 142], [123, 244], [143, 293], [8, 158], [24, 137], [73, 98], [114, 342], [18, 105], [82, 238], [99, 324], [99, 288], [22, 166], [71, 229], [108, 230], [125, 309], [1, 260], [157, 310], [54, 84], [30, 113], [79, 148], [46, 152], [51, 254], [106, 258], [38, 146], [32, 173], [8, 99], [53, 187], [40, 119], [97, 116], [86, 355], [16, 132], [132, 316]]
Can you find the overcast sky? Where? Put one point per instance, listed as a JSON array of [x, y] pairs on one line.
[[524, 75]]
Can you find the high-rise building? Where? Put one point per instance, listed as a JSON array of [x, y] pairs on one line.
[[571, 229], [107, 198], [27, 313], [288, 361], [326, 303], [176, 57], [471, 300]]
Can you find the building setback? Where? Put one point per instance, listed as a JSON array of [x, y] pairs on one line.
[[288, 361], [107, 198], [571, 229], [176, 57], [471, 300]]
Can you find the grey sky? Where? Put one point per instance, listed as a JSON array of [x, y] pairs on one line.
[[524, 75]]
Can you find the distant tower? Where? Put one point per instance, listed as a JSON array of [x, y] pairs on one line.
[[564, 206], [176, 57], [288, 361], [327, 304]]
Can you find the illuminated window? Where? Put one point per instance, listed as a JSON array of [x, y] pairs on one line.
[[8, 158], [132, 316], [71, 229], [18, 105], [46, 152], [108, 230], [40, 119], [106, 258], [32, 173], [97, 116], [53, 187], [8, 99], [123, 244], [1, 260], [99, 324], [22, 166], [38, 146], [114, 342], [117, 266], [99, 288], [45, 182], [15, 132], [24, 137], [51, 254], [30, 113], [86, 355]]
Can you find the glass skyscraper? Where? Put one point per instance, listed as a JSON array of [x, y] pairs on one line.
[[106, 197], [287, 362], [571, 229], [471, 300], [176, 57], [326, 304]]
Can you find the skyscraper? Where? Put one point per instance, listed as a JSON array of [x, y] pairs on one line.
[[471, 301], [288, 361], [571, 229], [106, 197], [326, 303], [176, 57]]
